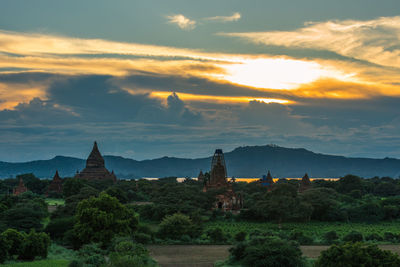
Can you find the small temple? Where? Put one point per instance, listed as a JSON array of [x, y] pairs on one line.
[[21, 188], [228, 200], [201, 177], [55, 185], [305, 183], [267, 181], [95, 167]]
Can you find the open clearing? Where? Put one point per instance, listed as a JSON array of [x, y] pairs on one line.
[[205, 256]]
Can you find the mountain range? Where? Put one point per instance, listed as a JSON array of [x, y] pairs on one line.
[[247, 161]]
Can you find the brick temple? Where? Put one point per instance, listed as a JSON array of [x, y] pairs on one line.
[[228, 200], [95, 167], [55, 185], [21, 188]]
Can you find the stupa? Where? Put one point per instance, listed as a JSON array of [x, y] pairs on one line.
[[95, 167], [21, 188], [56, 185]]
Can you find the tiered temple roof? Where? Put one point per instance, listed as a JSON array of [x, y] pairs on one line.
[[56, 184], [21, 188], [201, 177], [95, 167], [229, 200]]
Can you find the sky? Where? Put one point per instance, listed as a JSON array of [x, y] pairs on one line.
[[157, 78]]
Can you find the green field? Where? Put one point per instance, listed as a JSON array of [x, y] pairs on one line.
[[316, 230], [55, 201], [40, 263]]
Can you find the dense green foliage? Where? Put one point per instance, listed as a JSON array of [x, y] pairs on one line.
[[357, 254], [267, 251], [98, 219], [24, 246]]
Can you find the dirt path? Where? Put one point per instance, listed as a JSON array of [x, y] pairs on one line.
[[205, 256]]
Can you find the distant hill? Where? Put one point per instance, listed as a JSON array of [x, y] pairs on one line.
[[249, 161]]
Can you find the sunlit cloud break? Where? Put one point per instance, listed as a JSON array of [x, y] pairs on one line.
[[235, 17], [182, 22], [376, 41]]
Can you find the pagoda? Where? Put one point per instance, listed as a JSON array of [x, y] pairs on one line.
[[267, 181], [21, 188], [55, 185], [227, 200], [305, 183], [95, 167]]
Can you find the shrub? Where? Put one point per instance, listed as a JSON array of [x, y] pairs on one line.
[[331, 237], [301, 238], [15, 241], [240, 236], [356, 254], [267, 252], [175, 226], [217, 235], [57, 227], [142, 238], [129, 254], [35, 244], [390, 237], [373, 237], [353, 236]]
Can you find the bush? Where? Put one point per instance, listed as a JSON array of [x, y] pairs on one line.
[[240, 236], [15, 241], [35, 244], [390, 237], [331, 237], [268, 251], [356, 254], [177, 225], [57, 227], [353, 236], [91, 255], [301, 238], [373, 237], [129, 254], [217, 235], [142, 238]]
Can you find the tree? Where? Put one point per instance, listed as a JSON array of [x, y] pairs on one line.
[[356, 254], [349, 183], [98, 219], [176, 226], [127, 253], [72, 186]]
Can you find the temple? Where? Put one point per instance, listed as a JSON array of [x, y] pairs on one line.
[[267, 181], [228, 200], [201, 177], [21, 188], [56, 185], [95, 167], [305, 183]]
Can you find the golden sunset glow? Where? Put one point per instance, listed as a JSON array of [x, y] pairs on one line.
[[278, 73], [220, 99]]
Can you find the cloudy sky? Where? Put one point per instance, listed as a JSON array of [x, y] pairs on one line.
[[180, 78]]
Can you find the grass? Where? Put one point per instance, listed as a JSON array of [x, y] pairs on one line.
[[55, 201], [39, 263]]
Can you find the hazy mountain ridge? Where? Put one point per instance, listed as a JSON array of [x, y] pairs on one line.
[[248, 161]]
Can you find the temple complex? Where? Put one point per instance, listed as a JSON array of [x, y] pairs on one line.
[[267, 181], [305, 183], [228, 200], [56, 185], [95, 167], [21, 188]]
